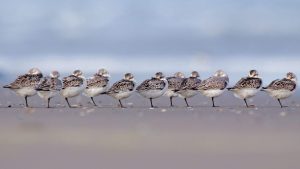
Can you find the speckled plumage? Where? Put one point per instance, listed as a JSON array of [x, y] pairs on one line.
[[188, 88], [248, 82], [282, 89], [213, 83], [25, 85], [247, 87], [191, 83], [122, 86], [174, 83], [72, 81], [73, 85], [214, 86], [49, 84], [27, 80], [153, 88], [97, 81], [284, 83], [151, 84]]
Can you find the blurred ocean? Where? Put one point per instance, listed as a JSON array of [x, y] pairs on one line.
[[150, 36]]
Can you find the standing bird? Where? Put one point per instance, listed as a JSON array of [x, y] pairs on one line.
[[154, 87], [282, 89], [247, 87], [174, 84], [189, 87], [25, 84], [49, 86], [73, 85], [122, 89], [98, 84], [214, 86]]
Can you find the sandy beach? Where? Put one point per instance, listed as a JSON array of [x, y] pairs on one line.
[[107, 137]]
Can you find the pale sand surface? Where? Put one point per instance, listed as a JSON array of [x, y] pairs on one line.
[[107, 137]]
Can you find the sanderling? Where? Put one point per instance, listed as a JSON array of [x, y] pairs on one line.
[[247, 87], [49, 86], [281, 89], [154, 87], [97, 84], [214, 86], [25, 85], [122, 89], [189, 87], [174, 84], [73, 85]]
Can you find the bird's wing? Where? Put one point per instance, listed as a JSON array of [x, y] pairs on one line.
[[122, 85], [97, 81], [72, 81]]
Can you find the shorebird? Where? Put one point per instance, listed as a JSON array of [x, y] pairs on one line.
[[189, 86], [214, 86], [122, 89], [282, 89], [247, 87], [24, 85], [73, 85], [49, 86], [154, 87], [98, 84], [174, 84]]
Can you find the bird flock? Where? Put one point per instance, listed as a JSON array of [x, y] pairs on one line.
[[33, 82]]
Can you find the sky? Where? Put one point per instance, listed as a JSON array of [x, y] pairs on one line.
[[148, 36]]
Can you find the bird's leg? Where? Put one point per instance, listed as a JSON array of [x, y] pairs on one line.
[[186, 102], [26, 102], [121, 104], [48, 103], [93, 101], [280, 103], [213, 102], [151, 103], [246, 103], [68, 102]]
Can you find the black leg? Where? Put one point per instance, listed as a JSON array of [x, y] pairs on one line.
[[246, 102], [187, 104], [213, 102], [151, 102], [171, 101], [93, 101], [121, 104], [48, 102], [26, 103], [68, 102], [280, 103]]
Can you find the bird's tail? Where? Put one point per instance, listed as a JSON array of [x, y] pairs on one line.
[[105, 92], [7, 86], [39, 89], [263, 89]]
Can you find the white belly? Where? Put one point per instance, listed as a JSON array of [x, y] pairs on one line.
[[212, 92], [245, 93], [121, 95], [95, 91], [72, 91], [187, 93], [47, 94], [280, 94], [153, 93], [25, 91], [170, 93]]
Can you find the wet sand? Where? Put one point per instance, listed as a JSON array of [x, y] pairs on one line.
[[108, 137]]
